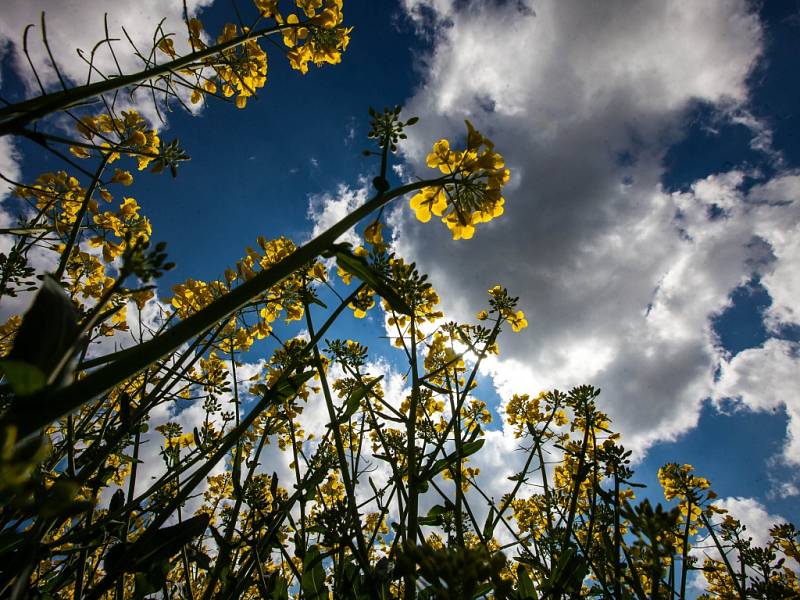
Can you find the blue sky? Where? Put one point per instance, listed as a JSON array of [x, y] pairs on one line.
[[652, 227]]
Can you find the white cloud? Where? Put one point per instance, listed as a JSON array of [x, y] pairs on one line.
[[618, 278], [752, 515], [77, 24], [757, 521], [10, 168], [325, 210], [767, 379]]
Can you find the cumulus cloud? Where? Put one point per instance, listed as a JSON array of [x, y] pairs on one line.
[[325, 210], [74, 29], [757, 521], [619, 278], [767, 379], [752, 515], [80, 24]]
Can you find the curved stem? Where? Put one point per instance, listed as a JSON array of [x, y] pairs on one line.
[[63, 401]]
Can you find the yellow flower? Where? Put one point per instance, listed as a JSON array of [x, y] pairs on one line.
[[167, 47], [362, 303], [471, 194], [181, 441], [123, 177], [483, 315], [141, 297], [80, 151], [373, 236], [318, 40], [461, 229], [517, 320], [318, 272], [430, 200], [267, 8], [442, 157]]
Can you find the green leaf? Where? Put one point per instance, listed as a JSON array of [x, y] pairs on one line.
[[567, 575], [277, 587], [287, 388], [10, 539], [23, 377], [150, 581], [488, 525], [434, 516], [48, 330], [466, 449], [313, 582], [525, 586], [201, 559], [155, 547], [354, 400], [359, 267]]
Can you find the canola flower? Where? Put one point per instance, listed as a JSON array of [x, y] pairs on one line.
[[244, 504], [473, 194]]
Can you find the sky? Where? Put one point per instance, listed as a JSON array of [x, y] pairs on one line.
[[652, 225]]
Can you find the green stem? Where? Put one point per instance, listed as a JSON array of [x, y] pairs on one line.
[[16, 116], [65, 400]]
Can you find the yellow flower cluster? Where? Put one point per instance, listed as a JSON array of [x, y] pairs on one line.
[[185, 440], [474, 414], [523, 410], [129, 135], [58, 196], [285, 297], [120, 469], [530, 515], [693, 492], [332, 490], [427, 405], [516, 319], [7, 332], [320, 38], [242, 70], [192, 296], [678, 481], [126, 223], [374, 237], [442, 359], [467, 473], [473, 193], [87, 278], [214, 373]]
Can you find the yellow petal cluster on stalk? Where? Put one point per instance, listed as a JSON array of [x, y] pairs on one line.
[[58, 196], [694, 493], [7, 332], [242, 69], [517, 320], [374, 237], [320, 38], [530, 515], [467, 473], [129, 135], [126, 224], [267, 8], [473, 194], [284, 298]]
